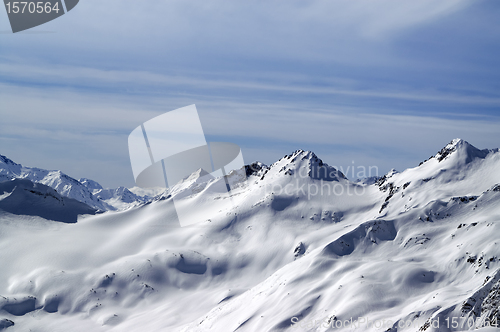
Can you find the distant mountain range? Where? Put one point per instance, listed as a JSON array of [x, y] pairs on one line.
[[84, 190]]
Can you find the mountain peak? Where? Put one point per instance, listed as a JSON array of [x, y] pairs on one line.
[[5, 160], [297, 157], [90, 184], [392, 172], [305, 154], [463, 150], [458, 141], [316, 168], [200, 175]]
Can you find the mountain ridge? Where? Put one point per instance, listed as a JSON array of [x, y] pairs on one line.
[[93, 194], [24, 197], [278, 252], [84, 190]]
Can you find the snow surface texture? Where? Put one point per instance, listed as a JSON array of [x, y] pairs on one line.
[[300, 248]]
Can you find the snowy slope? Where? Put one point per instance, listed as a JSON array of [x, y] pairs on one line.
[[297, 247]]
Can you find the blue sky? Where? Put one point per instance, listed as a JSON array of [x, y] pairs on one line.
[[380, 83]]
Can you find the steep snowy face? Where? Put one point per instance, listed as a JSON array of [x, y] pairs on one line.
[[67, 186], [194, 180], [8, 169], [196, 176], [303, 164], [6, 161], [462, 152], [368, 180], [457, 168], [91, 184]]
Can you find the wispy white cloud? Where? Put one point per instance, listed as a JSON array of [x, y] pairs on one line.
[[76, 76], [57, 127]]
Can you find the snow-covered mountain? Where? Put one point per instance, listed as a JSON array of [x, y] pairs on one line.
[[84, 190], [119, 198], [23, 197], [62, 183], [296, 247]]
